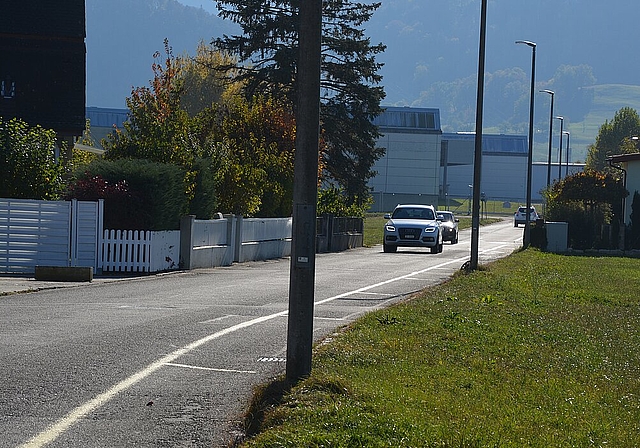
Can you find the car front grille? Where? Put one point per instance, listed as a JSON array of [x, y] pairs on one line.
[[409, 234]]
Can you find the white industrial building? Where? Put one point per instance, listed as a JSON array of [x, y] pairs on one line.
[[424, 165]]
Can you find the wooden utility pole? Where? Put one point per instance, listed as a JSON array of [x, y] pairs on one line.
[[477, 158], [305, 193]]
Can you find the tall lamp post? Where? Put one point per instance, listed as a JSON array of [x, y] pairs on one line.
[[568, 134], [552, 93], [560, 150], [527, 223]]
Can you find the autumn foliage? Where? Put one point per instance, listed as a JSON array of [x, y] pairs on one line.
[[588, 201]]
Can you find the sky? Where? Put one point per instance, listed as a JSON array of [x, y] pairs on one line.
[[207, 5]]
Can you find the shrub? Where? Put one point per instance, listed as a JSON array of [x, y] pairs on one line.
[[28, 165], [334, 201], [589, 202], [138, 194], [204, 203]]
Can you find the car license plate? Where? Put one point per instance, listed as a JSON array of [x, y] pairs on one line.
[[409, 237]]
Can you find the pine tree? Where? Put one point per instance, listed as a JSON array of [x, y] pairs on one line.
[[267, 52]]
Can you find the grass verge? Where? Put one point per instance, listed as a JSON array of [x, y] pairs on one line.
[[535, 350]]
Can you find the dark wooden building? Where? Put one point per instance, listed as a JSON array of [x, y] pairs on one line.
[[43, 64]]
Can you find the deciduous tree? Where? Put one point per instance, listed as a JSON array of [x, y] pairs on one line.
[[28, 165], [205, 79], [614, 137], [160, 130], [586, 200], [254, 144]]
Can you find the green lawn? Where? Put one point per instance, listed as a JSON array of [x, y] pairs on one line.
[[535, 350]]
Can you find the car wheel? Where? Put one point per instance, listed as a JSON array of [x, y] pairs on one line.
[[455, 240], [389, 249]]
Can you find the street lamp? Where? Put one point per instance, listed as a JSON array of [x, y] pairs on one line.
[[560, 153], [527, 223], [568, 134], [552, 93]]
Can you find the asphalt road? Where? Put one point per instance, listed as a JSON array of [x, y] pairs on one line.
[[171, 360]]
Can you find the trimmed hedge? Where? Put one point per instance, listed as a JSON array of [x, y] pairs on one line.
[[138, 194]]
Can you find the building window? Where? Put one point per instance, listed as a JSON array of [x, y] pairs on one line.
[[7, 88]]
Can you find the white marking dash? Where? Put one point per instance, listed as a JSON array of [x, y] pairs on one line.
[[211, 369]]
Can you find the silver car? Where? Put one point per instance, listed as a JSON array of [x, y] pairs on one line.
[[520, 217], [448, 225], [412, 225]]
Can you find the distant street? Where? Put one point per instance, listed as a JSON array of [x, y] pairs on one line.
[[171, 360]]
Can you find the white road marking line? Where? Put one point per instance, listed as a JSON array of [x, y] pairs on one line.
[[376, 294], [58, 428], [211, 369], [218, 319], [386, 282], [271, 359]]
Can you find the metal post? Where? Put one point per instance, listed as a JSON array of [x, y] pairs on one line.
[[552, 93], [477, 159], [568, 134], [305, 192], [560, 150], [527, 223]]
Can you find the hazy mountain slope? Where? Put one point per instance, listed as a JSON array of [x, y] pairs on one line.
[[122, 36], [430, 41]]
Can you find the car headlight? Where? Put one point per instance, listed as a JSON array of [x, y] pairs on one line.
[[430, 229], [390, 228]]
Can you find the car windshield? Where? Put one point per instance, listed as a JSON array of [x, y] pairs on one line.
[[445, 217], [412, 213]]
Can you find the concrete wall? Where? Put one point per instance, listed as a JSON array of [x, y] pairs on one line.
[[220, 242]]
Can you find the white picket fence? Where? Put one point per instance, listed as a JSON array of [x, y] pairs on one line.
[[140, 251]]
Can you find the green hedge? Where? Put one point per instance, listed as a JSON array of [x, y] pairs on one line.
[[138, 194]]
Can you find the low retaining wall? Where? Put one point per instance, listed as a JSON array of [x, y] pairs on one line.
[[220, 242]]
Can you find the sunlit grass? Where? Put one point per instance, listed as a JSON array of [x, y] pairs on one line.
[[535, 350]]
